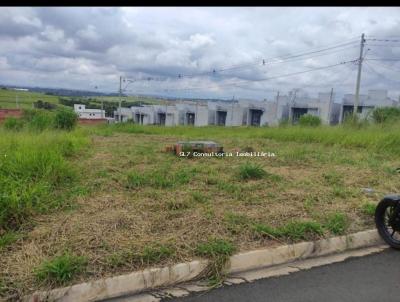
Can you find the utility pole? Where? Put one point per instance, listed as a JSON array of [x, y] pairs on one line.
[[277, 104], [360, 59], [330, 106], [120, 99]]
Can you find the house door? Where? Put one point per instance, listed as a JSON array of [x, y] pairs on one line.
[[221, 118], [161, 119], [297, 113], [190, 118], [255, 117]]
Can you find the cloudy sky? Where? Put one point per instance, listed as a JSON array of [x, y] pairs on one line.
[[218, 52]]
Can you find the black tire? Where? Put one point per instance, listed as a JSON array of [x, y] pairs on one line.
[[380, 223]]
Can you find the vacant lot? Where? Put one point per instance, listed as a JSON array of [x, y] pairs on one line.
[[134, 206]]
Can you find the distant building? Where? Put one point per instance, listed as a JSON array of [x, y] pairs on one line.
[[192, 113], [291, 108], [85, 113], [125, 113], [374, 99]]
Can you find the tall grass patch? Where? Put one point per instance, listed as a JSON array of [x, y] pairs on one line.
[[60, 269], [32, 168]]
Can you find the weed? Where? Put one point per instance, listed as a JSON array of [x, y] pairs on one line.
[[300, 230], [218, 252], [199, 197], [136, 179], [156, 253], [12, 123], [368, 208], [175, 205], [339, 191], [265, 230], [236, 222], [65, 119], [32, 170], [333, 178], [309, 120], [8, 238], [60, 269], [251, 171], [337, 223]]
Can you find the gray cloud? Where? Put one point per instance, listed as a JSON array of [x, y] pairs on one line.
[[85, 47]]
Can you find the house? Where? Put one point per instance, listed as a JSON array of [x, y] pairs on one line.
[[292, 107], [165, 115], [225, 113], [192, 113], [85, 113], [374, 99], [258, 113], [123, 114]]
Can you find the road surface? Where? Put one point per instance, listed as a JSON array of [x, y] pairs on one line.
[[371, 278]]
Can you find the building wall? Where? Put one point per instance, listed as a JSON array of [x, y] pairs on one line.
[[4, 113], [84, 113]]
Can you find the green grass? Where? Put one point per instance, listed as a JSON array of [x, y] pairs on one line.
[[376, 138], [218, 252], [157, 253], [60, 269], [251, 171], [337, 223], [368, 208], [151, 254], [294, 230], [162, 178], [236, 222], [25, 99], [199, 197], [8, 238], [32, 169]]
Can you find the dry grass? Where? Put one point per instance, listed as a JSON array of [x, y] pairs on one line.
[[113, 226]]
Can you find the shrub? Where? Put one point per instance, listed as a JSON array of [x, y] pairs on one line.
[[309, 120], [251, 171], [60, 269], [337, 223], [12, 123], [38, 119], [65, 119], [385, 114]]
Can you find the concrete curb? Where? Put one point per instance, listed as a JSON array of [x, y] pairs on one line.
[[166, 276]]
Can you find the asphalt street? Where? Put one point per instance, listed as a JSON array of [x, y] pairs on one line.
[[372, 278]]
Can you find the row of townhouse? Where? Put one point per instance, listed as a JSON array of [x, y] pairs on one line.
[[252, 113]]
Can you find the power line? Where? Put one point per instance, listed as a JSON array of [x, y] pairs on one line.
[[271, 78], [380, 74], [265, 61]]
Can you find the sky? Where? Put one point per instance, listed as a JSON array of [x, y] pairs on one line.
[[201, 52]]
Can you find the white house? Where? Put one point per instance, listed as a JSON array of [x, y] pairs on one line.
[[192, 113], [292, 107], [165, 115], [123, 113], [258, 113], [225, 113], [374, 98], [85, 113]]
